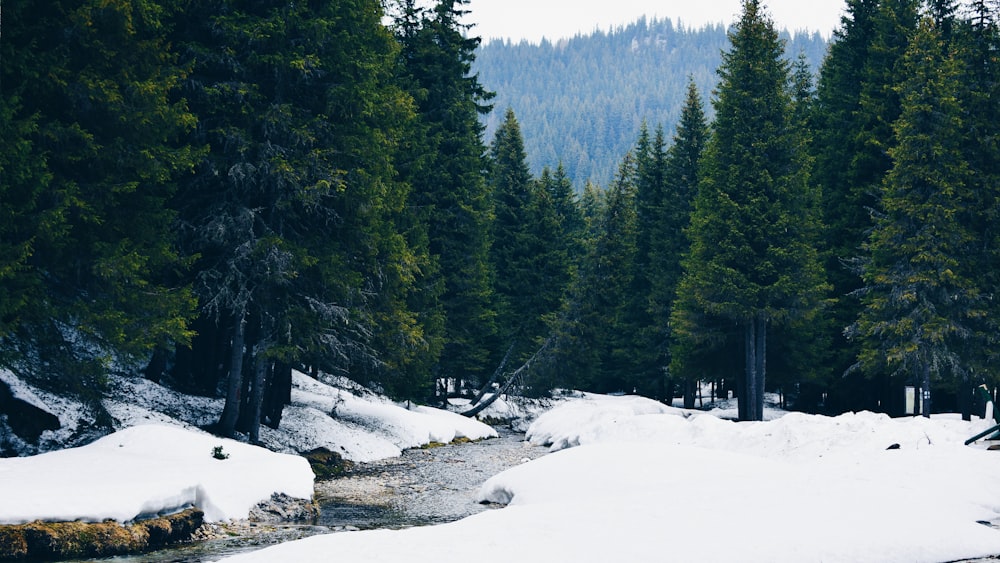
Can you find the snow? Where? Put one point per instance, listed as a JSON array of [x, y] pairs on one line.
[[629, 479], [363, 428], [633, 480], [146, 470], [159, 461]]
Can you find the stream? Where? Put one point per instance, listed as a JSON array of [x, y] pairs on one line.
[[422, 487]]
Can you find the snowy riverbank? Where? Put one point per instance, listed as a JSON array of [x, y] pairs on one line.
[[630, 479], [639, 481]]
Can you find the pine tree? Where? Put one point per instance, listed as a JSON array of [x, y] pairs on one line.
[[978, 44], [90, 92], [445, 163], [293, 214], [920, 293], [514, 244], [682, 177], [753, 259], [599, 350], [853, 115], [642, 349]]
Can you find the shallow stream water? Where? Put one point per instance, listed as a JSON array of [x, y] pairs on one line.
[[422, 487]]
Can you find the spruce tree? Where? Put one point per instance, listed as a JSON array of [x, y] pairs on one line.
[[642, 337], [682, 176], [753, 232], [514, 240], [293, 214], [920, 294], [94, 136], [445, 163], [853, 114]]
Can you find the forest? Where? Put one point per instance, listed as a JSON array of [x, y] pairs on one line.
[[580, 100], [211, 194]]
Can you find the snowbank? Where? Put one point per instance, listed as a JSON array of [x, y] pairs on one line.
[[651, 483], [363, 428], [146, 470], [359, 425]]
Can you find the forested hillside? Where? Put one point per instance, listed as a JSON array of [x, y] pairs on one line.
[[212, 194], [581, 99]]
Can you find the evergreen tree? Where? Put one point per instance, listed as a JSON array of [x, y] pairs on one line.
[[595, 339], [515, 245], [641, 342], [94, 142], [853, 113], [445, 163], [753, 259], [682, 176], [920, 293], [978, 43], [292, 214]]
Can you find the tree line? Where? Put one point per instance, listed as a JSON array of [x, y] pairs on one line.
[[835, 234], [580, 100], [215, 193]]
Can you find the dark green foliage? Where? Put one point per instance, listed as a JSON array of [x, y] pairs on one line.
[[93, 143], [920, 294], [854, 109], [514, 245], [752, 260], [593, 336], [294, 215], [582, 100], [670, 243], [444, 161], [532, 247]]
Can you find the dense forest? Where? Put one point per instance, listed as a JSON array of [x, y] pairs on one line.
[[211, 194], [580, 100]]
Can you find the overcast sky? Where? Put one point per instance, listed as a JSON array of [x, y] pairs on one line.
[[554, 19]]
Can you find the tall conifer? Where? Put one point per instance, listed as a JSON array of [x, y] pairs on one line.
[[445, 163], [920, 295], [753, 259]]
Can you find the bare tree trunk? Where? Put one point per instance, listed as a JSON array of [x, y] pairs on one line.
[[231, 410], [496, 375], [748, 410], [513, 377], [261, 365], [755, 333], [926, 402], [761, 368]]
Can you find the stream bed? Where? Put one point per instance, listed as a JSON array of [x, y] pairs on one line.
[[422, 487]]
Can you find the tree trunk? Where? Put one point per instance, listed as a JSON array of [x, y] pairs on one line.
[[747, 411], [231, 411], [262, 365], [761, 369], [690, 387], [513, 377], [925, 406], [756, 353], [278, 393], [965, 396]]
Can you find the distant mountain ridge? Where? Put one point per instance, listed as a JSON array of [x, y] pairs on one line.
[[581, 100]]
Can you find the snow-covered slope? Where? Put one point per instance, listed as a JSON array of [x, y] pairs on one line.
[[359, 425]]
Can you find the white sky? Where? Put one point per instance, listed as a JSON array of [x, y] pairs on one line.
[[555, 19]]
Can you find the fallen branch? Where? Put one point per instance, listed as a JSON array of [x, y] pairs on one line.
[[513, 377]]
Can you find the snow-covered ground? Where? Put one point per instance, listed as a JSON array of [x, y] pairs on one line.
[[146, 470], [629, 480], [160, 461], [638, 481]]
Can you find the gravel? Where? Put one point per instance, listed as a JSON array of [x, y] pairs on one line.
[[424, 486]]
